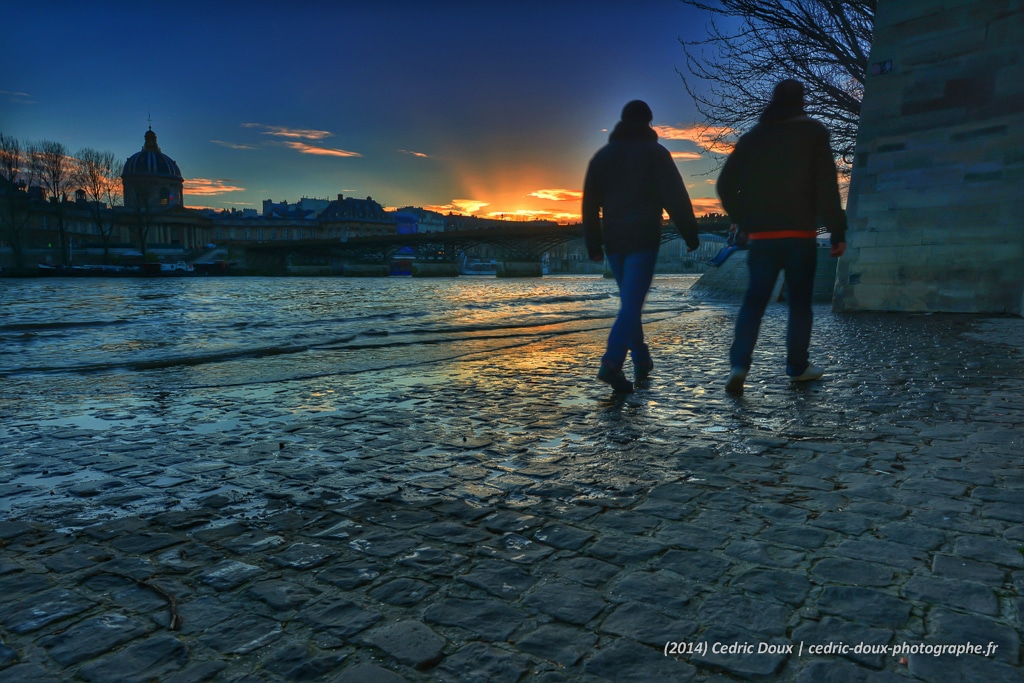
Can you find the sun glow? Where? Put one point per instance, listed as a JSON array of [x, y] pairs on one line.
[[464, 206], [705, 205], [558, 195]]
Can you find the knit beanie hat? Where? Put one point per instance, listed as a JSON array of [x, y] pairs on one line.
[[637, 111], [789, 93]]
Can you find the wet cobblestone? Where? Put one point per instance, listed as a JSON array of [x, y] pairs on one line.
[[502, 518]]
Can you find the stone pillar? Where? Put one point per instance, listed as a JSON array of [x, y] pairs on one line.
[[435, 269], [351, 269], [520, 269], [936, 202]]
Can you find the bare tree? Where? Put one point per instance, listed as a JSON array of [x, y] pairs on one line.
[[754, 44], [54, 169], [15, 213], [98, 175], [143, 208]]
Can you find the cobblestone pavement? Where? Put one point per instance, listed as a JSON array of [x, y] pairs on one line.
[[503, 518]]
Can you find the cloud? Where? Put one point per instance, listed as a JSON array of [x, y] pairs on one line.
[[298, 133], [322, 151], [294, 140], [204, 187], [415, 154], [686, 156], [17, 97], [702, 136], [464, 206], [231, 145], [558, 195]]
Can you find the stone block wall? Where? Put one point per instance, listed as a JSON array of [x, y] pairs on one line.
[[936, 202]]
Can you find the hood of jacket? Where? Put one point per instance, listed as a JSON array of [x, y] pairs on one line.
[[776, 112], [632, 130]]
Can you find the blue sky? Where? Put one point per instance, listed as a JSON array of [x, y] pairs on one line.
[[477, 107]]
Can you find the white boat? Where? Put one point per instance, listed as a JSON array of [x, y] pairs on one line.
[[176, 268], [479, 267]]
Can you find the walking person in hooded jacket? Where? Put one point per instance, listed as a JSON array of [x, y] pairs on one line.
[[779, 184], [629, 182]]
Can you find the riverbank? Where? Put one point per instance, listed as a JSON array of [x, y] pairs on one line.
[[500, 515]]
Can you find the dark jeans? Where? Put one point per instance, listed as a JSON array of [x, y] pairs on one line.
[[633, 273], [723, 254], [798, 258]]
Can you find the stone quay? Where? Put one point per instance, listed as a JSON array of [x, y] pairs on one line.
[[502, 517]]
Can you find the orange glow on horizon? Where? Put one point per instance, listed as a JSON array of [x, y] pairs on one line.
[[558, 195], [702, 206], [468, 207]]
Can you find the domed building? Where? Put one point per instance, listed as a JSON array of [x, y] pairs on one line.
[[154, 206], [151, 179]]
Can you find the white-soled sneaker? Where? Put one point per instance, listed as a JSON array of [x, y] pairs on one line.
[[812, 372], [734, 385]]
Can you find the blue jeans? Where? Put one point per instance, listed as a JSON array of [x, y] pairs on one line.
[[798, 258], [723, 254], [633, 273]]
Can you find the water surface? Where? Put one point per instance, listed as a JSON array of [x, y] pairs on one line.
[[67, 344]]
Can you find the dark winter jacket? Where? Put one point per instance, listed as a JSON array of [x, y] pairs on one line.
[[782, 176], [628, 184]]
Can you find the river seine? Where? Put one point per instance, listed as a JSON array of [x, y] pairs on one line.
[[70, 346]]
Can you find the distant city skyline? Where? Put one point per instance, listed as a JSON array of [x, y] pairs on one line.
[[453, 106]]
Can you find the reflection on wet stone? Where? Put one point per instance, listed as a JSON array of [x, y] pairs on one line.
[[559, 643], [466, 525]]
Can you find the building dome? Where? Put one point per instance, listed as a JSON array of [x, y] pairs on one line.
[[152, 180], [151, 161]]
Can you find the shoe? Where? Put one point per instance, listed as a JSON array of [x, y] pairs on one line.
[[812, 372], [734, 385], [615, 378], [642, 371]]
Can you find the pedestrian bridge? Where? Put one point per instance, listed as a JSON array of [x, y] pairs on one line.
[[522, 247]]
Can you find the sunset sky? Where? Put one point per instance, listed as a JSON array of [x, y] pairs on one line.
[[475, 107]]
